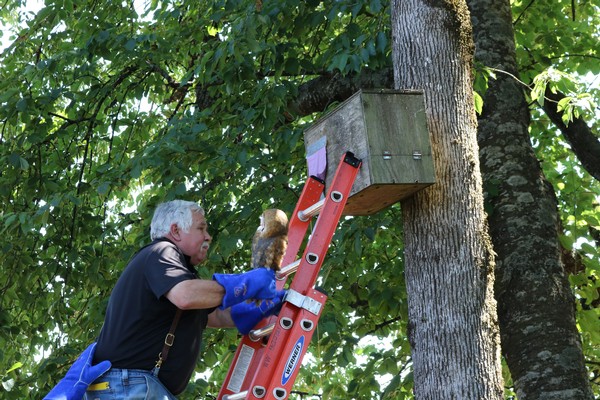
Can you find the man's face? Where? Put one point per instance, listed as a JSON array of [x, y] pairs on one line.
[[196, 241]]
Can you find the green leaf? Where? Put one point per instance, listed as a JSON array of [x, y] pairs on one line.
[[478, 100], [103, 188], [22, 105], [382, 42], [339, 62], [375, 6], [15, 367], [130, 45], [18, 162]]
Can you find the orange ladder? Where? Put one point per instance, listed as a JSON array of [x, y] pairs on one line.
[[268, 359]]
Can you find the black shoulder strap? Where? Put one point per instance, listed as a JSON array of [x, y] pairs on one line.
[[169, 340]]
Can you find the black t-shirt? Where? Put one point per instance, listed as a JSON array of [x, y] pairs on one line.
[[138, 317]]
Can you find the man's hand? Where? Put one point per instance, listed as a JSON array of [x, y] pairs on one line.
[[246, 315], [256, 284]]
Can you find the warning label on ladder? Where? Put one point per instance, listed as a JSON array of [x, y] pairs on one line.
[[240, 369]]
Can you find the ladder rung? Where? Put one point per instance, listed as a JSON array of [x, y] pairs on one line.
[[305, 215], [236, 396], [262, 332], [288, 269]]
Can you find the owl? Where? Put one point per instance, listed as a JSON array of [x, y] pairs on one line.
[[270, 240]]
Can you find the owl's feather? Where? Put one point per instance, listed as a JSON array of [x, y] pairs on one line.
[[270, 240]]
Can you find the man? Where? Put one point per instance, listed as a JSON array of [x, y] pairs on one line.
[[159, 280]]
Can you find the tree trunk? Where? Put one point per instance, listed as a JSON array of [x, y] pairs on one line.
[[448, 258], [535, 305]]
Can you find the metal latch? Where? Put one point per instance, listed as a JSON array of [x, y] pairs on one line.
[[309, 304]]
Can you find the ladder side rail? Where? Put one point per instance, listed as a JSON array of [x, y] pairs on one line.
[[307, 273], [249, 352]]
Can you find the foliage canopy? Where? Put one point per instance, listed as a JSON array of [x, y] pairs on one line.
[[109, 108]]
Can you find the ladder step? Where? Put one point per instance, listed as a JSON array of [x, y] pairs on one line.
[[262, 332], [288, 270], [305, 215], [236, 396], [315, 209]]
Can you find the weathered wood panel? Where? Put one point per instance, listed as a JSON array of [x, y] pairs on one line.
[[387, 129]]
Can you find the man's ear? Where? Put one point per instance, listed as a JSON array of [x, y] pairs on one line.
[[174, 232]]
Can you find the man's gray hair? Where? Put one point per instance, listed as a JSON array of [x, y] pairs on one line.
[[173, 212]]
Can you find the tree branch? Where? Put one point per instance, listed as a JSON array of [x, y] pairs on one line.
[[172, 83], [316, 94], [523, 12], [584, 143], [383, 324]]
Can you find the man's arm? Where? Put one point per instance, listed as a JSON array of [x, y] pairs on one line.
[[225, 290], [220, 319], [196, 294]]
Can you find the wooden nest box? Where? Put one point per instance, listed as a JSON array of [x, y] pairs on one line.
[[387, 129]]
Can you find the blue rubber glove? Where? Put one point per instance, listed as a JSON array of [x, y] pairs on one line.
[[79, 377], [247, 315], [256, 284]]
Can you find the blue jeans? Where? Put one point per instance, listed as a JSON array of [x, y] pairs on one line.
[[118, 384]]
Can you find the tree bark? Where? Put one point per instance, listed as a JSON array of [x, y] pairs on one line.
[[535, 305], [448, 258]]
